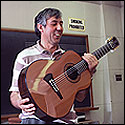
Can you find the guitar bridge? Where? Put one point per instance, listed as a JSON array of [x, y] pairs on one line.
[[53, 85], [49, 79]]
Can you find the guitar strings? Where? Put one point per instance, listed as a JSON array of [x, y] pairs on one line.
[[69, 72], [63, 80], [81, 66]]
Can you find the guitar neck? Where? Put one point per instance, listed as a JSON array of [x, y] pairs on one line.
[[111, 44], [102, 51], [83, 65]]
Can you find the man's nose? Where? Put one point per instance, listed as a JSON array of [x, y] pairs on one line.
[[59, 27]]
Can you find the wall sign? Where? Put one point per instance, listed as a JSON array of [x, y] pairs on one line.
[[76, 24]]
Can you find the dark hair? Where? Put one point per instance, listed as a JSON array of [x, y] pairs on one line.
[[43, 16]]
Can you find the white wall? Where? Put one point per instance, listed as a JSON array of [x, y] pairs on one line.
[[102, 20]]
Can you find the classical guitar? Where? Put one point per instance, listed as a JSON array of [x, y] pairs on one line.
[[52, 85]]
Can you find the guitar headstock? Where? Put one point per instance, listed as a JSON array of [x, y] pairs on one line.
[[113, 42]]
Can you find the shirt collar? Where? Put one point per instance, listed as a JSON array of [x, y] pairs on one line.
[[40, 48], [44, 51]]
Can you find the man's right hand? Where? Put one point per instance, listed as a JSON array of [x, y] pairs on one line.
[[28, 108], [20, 103]]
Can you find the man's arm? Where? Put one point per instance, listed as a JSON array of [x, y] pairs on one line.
[[15, 98]]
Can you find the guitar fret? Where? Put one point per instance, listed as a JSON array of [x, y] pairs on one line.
[[106, 48], [98, 53], [81, 66], [101, 52]]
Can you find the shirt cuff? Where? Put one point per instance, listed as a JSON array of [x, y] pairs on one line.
[[13, 89]]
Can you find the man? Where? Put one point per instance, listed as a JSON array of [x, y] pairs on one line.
[[49, 29]]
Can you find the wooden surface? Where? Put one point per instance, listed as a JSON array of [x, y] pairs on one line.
[[86, 109], [5, 117]]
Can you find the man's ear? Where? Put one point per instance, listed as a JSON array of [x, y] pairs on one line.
[[40, 27]]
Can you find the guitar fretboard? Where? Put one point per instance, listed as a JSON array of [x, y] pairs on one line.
[[83, 65], [102, 51]]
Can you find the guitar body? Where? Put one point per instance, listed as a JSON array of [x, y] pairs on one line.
[[53, 85], [48, 84]]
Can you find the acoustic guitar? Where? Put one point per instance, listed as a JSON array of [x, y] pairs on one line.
[[53, 85]]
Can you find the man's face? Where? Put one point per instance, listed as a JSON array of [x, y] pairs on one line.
[[53, 30]]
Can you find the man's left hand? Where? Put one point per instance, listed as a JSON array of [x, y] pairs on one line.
[[92, 62]]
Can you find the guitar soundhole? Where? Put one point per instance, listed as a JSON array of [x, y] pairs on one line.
[[71, 73]]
